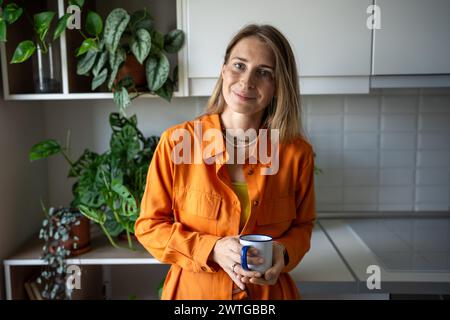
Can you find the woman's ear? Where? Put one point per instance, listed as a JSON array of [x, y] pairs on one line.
[[223, 70]]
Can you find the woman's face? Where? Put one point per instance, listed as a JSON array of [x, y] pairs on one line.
[[249, 77]]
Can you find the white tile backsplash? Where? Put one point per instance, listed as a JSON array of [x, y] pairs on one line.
[[329, 195], [360, 195], [434, 122], [324, 123], [432, 207], [360, 159], [360, 177], [400, 104], [326, 141], [394, 158], [440, 140], [398, 122], [430, 194], [432, 176], [326, 105], [362, 123], [396, 195], [397, 177], [386, 151], [398, 140], [433, 158], [330, 177], [435, 104], [362, 105], [361, 140]]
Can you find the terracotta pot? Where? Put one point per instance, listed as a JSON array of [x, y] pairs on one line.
[[82, 231], [133, 68]]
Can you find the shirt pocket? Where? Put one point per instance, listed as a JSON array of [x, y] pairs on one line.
[[197, 203], [281, 210]]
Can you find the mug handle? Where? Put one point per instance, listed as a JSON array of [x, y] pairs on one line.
[[244, 257]]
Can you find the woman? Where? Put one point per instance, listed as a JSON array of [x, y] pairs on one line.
[[193, 212]]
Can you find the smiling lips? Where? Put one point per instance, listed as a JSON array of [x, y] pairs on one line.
[[244, 97]]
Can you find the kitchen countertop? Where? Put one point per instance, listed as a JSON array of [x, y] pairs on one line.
[[413, 254]]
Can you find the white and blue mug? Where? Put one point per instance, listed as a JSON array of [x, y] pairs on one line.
[[264, 245]]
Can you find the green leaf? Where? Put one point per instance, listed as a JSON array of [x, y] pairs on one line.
[[112, 225], [95, 215], [141, 19], [126, 82], [88, 44], [61, 26], [141, 44], [94, 23], [173, 41], [100, 62], [86, 62], [2, 30], [157, 41], [24, 50], [78, 3], [166, 91], [122, 99], [128, 203], [125, 143], [99, 79], [83, 163], [44, 149], [115, 62], [116, 22], [157, 71], [1, 3], [42, 23], [12, 12]]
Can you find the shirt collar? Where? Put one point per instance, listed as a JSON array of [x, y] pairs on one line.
[[212, 121]]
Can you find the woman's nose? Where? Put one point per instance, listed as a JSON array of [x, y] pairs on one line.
[[247, 79]]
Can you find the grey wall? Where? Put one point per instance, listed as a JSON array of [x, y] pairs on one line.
[[22, 184]]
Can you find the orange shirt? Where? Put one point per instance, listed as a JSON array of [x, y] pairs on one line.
[[186, 208]]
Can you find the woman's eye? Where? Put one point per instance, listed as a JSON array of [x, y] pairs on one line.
[[265, 73], [239, 66]]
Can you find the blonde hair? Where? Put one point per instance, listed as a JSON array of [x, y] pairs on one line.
[[284, 111]]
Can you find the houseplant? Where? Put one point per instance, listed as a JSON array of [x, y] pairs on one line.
[[63, 231], [109, 186], [45, 61], [126, 50]]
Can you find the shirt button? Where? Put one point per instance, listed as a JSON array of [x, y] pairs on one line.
[[250, 172], [255, 203], [204, 268]]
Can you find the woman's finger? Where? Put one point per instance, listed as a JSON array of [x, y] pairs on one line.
[[246, 273]]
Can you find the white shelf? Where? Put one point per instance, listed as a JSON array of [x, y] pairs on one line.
[[68, 93]]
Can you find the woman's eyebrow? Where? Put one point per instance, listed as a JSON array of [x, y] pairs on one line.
[[245, 60]]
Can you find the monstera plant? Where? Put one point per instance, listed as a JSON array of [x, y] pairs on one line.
[[108, 186], [118, 42]]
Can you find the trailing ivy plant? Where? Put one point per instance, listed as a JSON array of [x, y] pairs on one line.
[[41, 24], [109, 186], [55, 229], [105, 50]]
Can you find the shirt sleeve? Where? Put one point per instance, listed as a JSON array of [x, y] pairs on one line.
[[297, 240], [167, 240]]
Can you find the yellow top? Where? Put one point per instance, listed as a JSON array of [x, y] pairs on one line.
[[240, 188]]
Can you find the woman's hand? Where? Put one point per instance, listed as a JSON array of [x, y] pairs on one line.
[[227, 254], [271, 275]]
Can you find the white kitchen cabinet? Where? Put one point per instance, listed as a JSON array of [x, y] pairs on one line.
[[330, 39], [414, 38]]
